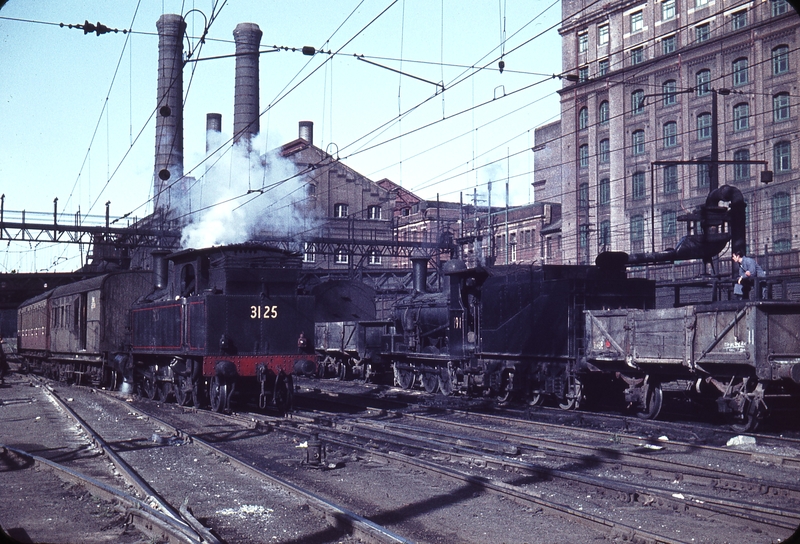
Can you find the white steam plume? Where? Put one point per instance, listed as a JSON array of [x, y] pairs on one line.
[[220, 211]]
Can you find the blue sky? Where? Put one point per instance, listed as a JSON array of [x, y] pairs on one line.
[[77, 109]]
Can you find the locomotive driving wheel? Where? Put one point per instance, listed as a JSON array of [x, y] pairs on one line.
[[163, 391], [447, 380], [218, 394], [149, 387], [183, 390], [430, 381], [506, 390], [403, 377]]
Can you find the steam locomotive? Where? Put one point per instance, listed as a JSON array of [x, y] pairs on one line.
[[220, 321]]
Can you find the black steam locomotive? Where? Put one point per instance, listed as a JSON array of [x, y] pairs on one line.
[[220, 320]]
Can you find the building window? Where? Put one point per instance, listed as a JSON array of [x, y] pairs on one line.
[[702, 32], [637, 22], [374, 212], [584, 236], [604, 112], [739, 19], [604, 151], [309, 253], [340, 210], [669, 44], [740, 72], [583, 155], [781, 246], [583, 42], [637, 139], [669, 224], [670, 179], [668, 90], [637, 102], [779, 7], [602, 34], [704, 126], [780, 107], [782, 157], [604, 239], [781, 209], [741, 172], [583, 118], [583, 196], [374, 257], [583, 74], [667, 10], [701, 3], [703, 80], [602, 67], [637, 228], [604, 192], [780, 60], [638, 186], [670, 134], [637, 55], [312, 190], [741, 117], [703, 176], [341, 257]]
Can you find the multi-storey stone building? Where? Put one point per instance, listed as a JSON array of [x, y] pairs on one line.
[[662, 101]]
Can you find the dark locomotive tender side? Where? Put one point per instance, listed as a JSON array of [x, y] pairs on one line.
[[228, 320]]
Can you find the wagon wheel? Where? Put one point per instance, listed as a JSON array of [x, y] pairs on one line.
[[748, 424], [164, 391], [447, 380], [112, 380], [536, 399], [653, 402], [752, 413], [430, 381], [284, 392], [404, 377], [198, 398], [218, 394], [573, 397], [183, 391], [149, 387], [343, 372]]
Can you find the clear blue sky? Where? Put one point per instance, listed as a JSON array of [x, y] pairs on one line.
[[76, 109]]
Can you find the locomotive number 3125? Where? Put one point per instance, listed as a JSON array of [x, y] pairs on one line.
[[263, 312]]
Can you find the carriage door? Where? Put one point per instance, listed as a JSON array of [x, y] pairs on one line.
[[81, 311]]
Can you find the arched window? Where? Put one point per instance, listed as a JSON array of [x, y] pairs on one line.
[[668, 91], [670, 179], [604, 151], [670, 134], [583, 118], [604, 239], [740, 72], [781, 208], [638, 185], [703, 82], [741, 172], [780, 107], [704, 126], [604, 192], [780, 60], [637, 102], [637, 228], [637, 142], [604, 113], [583, 155], [782, 156], [669, 224], [741, 116], [583, 196]]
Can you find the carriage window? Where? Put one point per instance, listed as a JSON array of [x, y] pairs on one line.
[[187, 280]]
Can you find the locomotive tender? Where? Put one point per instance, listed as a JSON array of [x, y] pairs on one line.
[[220, 320]]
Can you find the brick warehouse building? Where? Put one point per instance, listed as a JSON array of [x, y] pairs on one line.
[[641, 82]]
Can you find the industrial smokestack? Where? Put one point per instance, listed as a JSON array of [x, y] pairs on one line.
[[169, 117], [307, 131], [245, 100], [213, 129]]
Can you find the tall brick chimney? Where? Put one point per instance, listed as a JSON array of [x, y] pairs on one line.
[[245, 100]]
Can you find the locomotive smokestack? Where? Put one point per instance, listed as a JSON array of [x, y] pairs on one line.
[[245, 101], [169, 117], [213, 129], [307, 131], [420, 274]]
